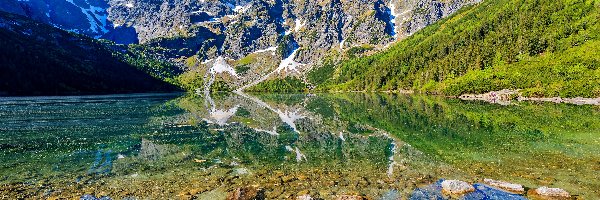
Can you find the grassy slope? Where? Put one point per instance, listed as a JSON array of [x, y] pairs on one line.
[[546, 47]]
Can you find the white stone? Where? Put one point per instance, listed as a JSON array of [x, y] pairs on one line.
[[456, 187], [552, 192], [511, 187]]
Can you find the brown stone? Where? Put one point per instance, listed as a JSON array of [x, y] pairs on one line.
[[246, 193]]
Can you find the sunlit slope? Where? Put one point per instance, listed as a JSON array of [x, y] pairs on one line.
[[545, 47]]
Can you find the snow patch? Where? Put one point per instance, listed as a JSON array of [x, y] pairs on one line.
[[221, 66], [97, 17], [288, 64], [299, 155], [221, 117], [272, 132], [299, 25], [273, 49], [393, 17], [289, 117]]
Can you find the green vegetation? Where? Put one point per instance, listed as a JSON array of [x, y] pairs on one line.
[[354, 51], [249, 59], [241, 69], [190, 80], [286, 85], [546, 47], [321, 74], [141, 57], [220, 86]]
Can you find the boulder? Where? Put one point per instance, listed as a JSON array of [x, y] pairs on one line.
[[456, 187], [550, 193], [511, 187]]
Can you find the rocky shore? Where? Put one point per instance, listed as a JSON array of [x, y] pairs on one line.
[[441, 189], [507, 97]]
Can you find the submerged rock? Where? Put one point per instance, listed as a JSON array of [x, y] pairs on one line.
[[433, 191], [511, 187], [456, 187], [550, 193], [246, 193], [391, 195], [92, 197], [487, 192], [304, 197]]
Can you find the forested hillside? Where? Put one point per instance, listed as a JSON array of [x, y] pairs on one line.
[[38, 59], [544, 47]]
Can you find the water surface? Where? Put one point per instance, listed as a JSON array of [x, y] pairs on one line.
[[171, 146]]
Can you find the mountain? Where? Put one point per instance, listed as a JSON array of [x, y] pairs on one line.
[[545, 48], [241, 42], [38, 59]]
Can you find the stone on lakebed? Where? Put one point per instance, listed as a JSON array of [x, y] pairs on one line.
[[511, 187], [456, 187], [304, 197], [551, 193], [485, 192], [350, 197], [246, 193]]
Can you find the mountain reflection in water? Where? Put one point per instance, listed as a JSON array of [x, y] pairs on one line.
[[166, 146]]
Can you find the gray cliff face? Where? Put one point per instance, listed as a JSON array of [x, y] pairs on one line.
[[236, 28]]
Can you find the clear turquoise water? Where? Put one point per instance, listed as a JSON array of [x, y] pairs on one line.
[[174, 146]]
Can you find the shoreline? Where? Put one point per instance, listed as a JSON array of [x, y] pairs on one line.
[[508, 97], [502, 97]]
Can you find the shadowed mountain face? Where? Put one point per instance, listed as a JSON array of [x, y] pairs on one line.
[[38, 59]]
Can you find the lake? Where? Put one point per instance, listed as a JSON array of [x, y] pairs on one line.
[[376, 145]]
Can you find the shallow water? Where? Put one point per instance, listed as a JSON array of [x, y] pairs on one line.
[[172, 146]]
